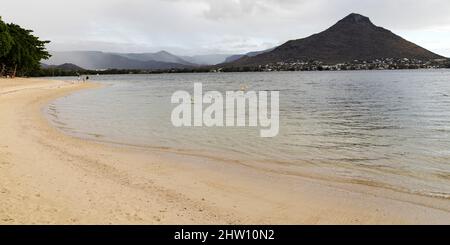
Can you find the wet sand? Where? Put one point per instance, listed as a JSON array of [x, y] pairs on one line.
[[47, 177]]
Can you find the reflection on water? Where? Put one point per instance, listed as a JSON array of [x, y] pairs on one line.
[[385, 128]]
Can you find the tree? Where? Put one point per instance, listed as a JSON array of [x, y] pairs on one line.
[[5, 45], [21, 52]]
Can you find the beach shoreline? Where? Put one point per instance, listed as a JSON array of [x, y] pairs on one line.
[[47, 177]]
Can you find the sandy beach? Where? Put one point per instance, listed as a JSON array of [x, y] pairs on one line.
[[47, 177]]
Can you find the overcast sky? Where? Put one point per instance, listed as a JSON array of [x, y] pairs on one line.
[[216, 26]]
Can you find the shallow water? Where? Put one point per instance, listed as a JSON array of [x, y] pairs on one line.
[[382, 128]]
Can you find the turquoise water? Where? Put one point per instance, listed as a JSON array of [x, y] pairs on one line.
[[384, 128]]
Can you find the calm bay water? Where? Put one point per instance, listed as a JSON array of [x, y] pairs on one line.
[[384, 128]]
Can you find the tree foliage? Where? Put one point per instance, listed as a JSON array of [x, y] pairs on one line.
[[20, 51]]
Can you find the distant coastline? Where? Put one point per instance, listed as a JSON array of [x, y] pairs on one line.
[[379, 64]]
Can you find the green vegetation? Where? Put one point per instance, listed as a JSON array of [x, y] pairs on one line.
[[20, 51]]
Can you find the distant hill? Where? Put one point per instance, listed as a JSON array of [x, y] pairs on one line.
[[162, 56], [69, 67], [95, 60], [353, 38], [251, 54], [64, 67], [208, 59]]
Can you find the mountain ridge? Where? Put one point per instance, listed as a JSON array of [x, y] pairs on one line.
[[161, 56], [97, 60], [249, 54]]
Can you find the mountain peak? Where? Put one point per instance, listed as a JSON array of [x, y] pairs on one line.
[[354, 37], [356, 19]]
